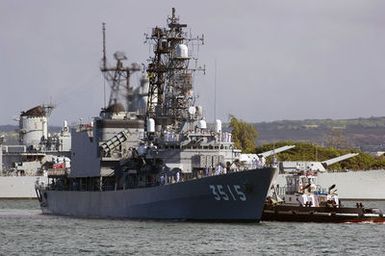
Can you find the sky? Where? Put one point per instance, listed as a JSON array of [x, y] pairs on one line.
[[275, 60]]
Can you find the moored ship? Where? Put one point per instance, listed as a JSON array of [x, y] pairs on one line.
[[161, 163], [37, 150]]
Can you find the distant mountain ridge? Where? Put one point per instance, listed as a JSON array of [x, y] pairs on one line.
[[368, 134], [8, 128]]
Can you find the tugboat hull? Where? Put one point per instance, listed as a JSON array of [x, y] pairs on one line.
[[237, 196], [320, 214]]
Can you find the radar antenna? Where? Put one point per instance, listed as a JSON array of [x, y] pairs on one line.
[[118, 77]]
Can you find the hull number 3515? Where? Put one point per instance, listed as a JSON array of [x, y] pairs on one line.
[[227, 192]]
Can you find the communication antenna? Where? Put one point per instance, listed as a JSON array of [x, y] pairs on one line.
[[104, 61], [104, 46], [215, 90], [104, 93], [118, 77]]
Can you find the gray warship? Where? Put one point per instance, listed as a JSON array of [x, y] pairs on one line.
[[152, 155]]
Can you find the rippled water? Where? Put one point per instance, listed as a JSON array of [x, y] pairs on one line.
[[25, 231]]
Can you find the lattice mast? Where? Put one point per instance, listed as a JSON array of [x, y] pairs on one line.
[[170, 91], [118, 77]]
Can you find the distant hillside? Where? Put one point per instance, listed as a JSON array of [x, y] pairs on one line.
[[8, 128], [367, 134]]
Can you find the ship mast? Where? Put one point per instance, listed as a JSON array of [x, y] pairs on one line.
[[119, 77], [170, 91]]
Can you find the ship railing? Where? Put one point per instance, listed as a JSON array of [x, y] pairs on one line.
[[58, 172], [321, 191], [59, 186], [252, 166], [282, 191]]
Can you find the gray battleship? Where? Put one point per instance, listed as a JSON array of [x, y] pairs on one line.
[[157, 162]]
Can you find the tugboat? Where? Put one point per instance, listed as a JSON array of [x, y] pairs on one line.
[[305, 201], [163, 163]]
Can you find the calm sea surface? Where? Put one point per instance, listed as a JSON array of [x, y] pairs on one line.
[[25, 231]]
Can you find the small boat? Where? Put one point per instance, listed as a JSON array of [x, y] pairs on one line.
[[304, 201]]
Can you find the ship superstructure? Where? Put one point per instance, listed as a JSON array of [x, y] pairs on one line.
[[36, 146], [175, 124], [37, 151], [99, 146]]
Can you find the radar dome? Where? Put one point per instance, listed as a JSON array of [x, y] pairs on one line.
[[218, 126], [202, 124], [182, 51], [191, 110], [119, 55], [151, 125]]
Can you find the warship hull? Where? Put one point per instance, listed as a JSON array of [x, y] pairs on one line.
[[237, 196]]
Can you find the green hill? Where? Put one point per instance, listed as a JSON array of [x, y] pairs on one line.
[[367, 134]]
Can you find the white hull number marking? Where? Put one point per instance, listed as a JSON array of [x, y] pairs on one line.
[[221, 192]]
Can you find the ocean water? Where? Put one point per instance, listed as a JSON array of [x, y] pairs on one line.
[[25, 231]]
